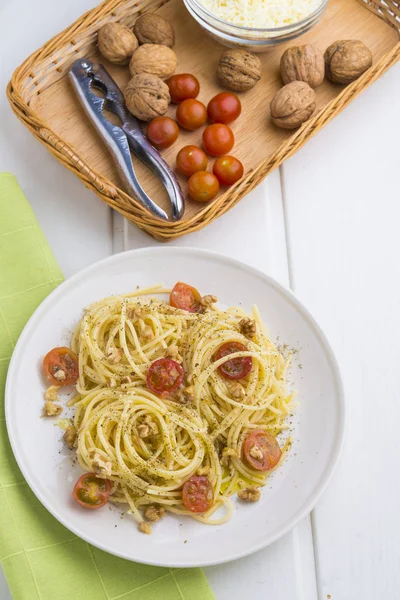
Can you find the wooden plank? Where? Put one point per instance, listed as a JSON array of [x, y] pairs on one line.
[[341, 198]]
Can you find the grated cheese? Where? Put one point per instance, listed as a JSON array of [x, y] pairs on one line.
[[261, 13]]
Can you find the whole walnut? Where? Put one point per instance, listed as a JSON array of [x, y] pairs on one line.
[[303, 63], [239, 70], [293, 104], [147, 96], [117, 43], [153, 29], [155, 59], [346, 60]]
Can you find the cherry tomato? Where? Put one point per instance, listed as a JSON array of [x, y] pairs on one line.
[[224, 108], [191, 114], [228, 170], [185, 297], [162, 132], [60, 366], [218, 139], [91, 491], [236, 368], [197, 494], [182, 87], [191, 159], [203, 186], [164, 376], [261, 450]]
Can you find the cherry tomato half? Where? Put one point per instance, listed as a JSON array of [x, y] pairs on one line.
[[261, 450], [91, 491], [236, 368], [191, 114], [203, 186], [218, 139], [162, 132], [183, 86], [60, 366], [197, 494], [228, 170], [185, 297], [191, 159], [164, 376], [224, 108]]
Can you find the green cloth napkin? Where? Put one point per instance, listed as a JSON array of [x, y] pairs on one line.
[[41, 559]]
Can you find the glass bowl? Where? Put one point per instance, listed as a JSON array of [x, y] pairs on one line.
[[253, 39]]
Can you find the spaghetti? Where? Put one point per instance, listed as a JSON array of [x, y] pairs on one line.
[[178, 408]]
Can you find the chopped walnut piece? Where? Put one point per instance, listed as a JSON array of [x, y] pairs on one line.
[[227, 454], [112, 383], [51, 409], [51, 394], [135, 313], [237, 391], [114, 355], [152, 424], [143, 430], [60, 375], [147, 333], [154, 512], [69, 436], [145, 527], [247, 327], [249, 494], [101, 467], [204, 470], [173, 352], [256, 452], [186, 396], [208, 300]]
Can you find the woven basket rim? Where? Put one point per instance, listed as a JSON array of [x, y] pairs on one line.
[[115, 196]]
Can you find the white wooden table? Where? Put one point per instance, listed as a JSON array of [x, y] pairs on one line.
[[327, 225]]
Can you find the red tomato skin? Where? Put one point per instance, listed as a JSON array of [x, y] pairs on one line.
[[183, 86], [224, 108], [228, 170], [191, 159], [191, 114], [197, 494], [162, 132], [267, 445], [203, 186], [242, 365], [164, 368], [61, 358], [104, 495], [218, 139], [185, 297]]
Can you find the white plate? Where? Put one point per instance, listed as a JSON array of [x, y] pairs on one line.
[[291, 491]]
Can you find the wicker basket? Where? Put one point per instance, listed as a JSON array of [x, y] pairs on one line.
[[39, 95]]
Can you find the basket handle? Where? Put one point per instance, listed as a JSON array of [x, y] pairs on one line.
[[61, 148]]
